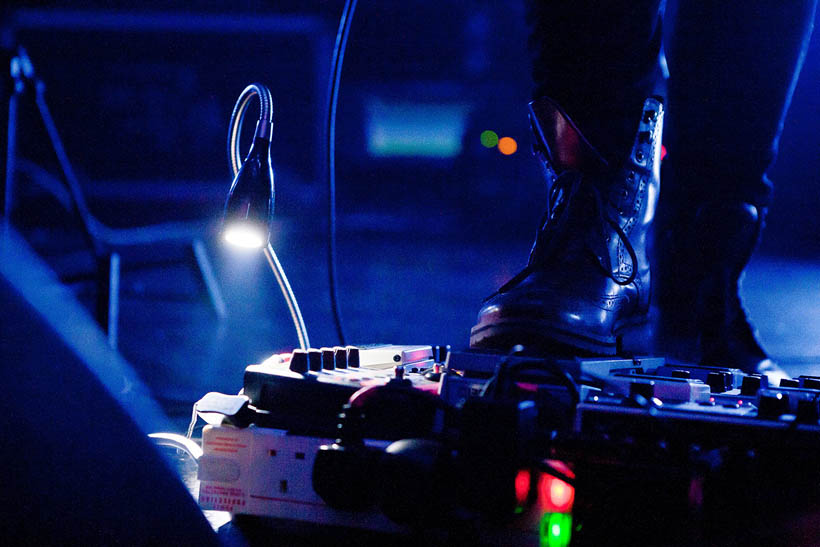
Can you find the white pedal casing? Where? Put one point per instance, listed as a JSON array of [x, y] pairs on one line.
[[266, 472]]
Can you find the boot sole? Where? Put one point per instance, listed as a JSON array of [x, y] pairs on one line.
[[630, 338]]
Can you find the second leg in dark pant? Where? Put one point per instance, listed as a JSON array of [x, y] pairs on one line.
[[733, 69]]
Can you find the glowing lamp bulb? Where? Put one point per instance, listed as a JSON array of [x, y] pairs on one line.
[[249, 207], [244, 234]]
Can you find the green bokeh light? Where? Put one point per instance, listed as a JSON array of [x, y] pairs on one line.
[[489, 139], [555, 529]]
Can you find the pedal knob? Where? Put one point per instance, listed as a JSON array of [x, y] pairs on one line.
[[352, 356], [788, 382], [752, 384], [810, 383], [299, 361], [340, 356], [719, 382], [328, 358], [772, 404], [681, 374], [314, 360]]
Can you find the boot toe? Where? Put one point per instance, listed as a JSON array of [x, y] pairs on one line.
[[545, 315]]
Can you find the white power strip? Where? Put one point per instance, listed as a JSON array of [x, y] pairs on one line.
[[265, 472]]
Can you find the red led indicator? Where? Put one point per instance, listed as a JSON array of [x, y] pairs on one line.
[[554, 495], [522, 486], [663, 152], [560, 493]]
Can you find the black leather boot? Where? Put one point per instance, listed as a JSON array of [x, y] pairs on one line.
[[702, 316], [587, 281]]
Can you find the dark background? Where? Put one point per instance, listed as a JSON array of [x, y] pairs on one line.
[[430, 220]]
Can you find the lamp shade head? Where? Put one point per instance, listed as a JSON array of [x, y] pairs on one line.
[[249, 207]]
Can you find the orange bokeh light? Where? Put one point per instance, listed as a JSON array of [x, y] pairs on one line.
[[507, 146]]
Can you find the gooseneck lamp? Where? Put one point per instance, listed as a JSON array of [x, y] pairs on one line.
[[249, 207]]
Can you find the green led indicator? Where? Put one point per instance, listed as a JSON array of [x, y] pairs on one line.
[[555, 529], [489, 139]]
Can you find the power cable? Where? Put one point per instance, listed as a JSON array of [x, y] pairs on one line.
[[333, 96]]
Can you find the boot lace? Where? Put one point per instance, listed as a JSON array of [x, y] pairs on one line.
[[553, 225]]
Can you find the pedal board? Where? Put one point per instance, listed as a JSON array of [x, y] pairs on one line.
[[642, 419]]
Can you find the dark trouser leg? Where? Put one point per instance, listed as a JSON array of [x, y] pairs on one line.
[[733, 69], [599, 61]]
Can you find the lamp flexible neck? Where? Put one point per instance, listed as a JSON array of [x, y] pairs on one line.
[[264, 127]]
